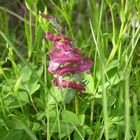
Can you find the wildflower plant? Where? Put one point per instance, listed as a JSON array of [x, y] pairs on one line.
[[40, 96], [66, 62]]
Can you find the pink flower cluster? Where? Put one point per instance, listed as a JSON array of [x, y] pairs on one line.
[[66, 60]]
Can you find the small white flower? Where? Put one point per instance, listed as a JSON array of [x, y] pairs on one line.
[[135, 22]]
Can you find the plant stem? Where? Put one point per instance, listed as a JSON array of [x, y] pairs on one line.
[[127, 111], [76, 104]]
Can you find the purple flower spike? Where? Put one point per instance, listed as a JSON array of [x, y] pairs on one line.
[[75, 68], [66, 60]]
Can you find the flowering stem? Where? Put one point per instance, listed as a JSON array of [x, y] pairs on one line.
[[76, 104]]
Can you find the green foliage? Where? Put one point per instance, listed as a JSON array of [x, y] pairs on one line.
[[31, 108]]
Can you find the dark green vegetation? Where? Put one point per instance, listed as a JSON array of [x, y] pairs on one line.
[[107, 31]]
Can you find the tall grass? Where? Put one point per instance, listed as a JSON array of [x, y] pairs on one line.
[[32, 108]]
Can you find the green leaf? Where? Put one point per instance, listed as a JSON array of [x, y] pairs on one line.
[[13, 134], [57, 95], [29, 3], [36, 127], [82, 119], [111, 100], [3, 133], [23, 97], [26, 72], [65, 128], [39, 102], [17, 85], [77, 136], [90, 83], [2, 123], [88, 130], [29, 79], [33, 81], [60, 95], [33, 87], [20, 125], [112, 65], [113, 80], [69, 95], [113, 134], [33, 77], [68, 124], [52, 114], [12, 102], [40, 115], [70, 117]]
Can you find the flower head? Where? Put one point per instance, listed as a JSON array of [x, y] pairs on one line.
[[66, 60]]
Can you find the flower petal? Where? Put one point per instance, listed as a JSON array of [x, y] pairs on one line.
[[53, 66], [70, 84]]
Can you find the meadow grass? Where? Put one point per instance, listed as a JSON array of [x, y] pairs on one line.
[[32, 108]]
